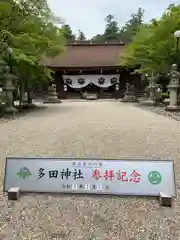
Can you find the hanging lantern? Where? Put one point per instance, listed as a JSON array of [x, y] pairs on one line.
[[65, 87], [114, 80], [68, 81], [117, 86], [101, 81], [81, 81]]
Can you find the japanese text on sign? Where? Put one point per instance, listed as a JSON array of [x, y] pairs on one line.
[[64, 174], [122, 177], [118, 175], [96, 174]]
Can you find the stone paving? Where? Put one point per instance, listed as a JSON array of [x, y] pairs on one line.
[[90, 129]]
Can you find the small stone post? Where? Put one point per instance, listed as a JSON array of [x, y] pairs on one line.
[[9, 88], [173, 88]]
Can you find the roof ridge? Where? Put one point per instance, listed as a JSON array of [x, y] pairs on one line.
[[91, 43]]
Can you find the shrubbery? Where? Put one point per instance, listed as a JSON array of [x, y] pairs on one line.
[[165, 95]]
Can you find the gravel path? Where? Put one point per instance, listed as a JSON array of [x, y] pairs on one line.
[[161, 111], [90, 129]]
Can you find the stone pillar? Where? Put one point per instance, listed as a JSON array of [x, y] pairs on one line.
[[2, 71], [8, 89], [173, 89]]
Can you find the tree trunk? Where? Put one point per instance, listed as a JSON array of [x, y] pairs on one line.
[[29, 95], [22, 93], [29, 91]]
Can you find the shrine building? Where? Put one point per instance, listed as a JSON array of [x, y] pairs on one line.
[[91, 68]]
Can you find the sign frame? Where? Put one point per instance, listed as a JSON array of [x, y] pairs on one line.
[[46, 158]]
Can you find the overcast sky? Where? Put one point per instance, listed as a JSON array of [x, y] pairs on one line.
[[89, 15]]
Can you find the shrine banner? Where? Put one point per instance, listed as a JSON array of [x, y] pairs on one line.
[[100, 80], [95, 176]]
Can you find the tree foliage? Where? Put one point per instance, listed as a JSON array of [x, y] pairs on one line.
[[67, 32], [111, 30], [28, 27], [81, 36], [114, 33], [129, 30], [154, 45]]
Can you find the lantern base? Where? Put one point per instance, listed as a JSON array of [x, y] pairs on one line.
[[129, 98], [173, 108], [11, 112], [52, 100]]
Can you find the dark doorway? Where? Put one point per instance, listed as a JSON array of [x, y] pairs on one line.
[[91, 88]]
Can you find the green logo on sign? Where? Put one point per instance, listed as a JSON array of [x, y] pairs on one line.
[[24, 173], [154, 177]]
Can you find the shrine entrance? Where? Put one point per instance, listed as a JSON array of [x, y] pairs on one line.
[[91, 88], [102, 85], [92, 67]]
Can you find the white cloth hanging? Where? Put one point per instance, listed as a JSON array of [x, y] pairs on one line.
[[100, 80]]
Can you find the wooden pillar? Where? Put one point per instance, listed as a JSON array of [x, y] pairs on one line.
[[60, 86]]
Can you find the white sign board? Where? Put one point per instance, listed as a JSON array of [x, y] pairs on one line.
[[98, 176]]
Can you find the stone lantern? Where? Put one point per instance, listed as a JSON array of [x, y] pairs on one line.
[[2, 80], [129, 95], [152, 88], [173, 89], [52, 95], [2, 71], [9, 88]]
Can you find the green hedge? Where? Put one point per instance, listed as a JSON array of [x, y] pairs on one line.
[[165, 95]]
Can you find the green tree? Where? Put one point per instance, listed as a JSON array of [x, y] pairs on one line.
[[111, 30], [29, 28], [99, 38], [114, 33], [153, 47], [132, 26], [81, 36], [67, 33]]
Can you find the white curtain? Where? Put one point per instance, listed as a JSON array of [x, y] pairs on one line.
[[72, 80], [100, 80], [106, 78]]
